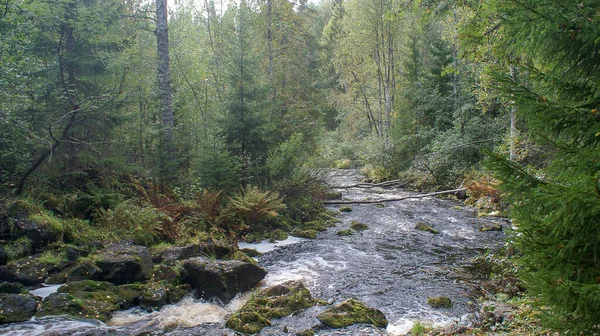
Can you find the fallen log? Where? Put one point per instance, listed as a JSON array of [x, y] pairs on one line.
[[371, 185], [395, 199]]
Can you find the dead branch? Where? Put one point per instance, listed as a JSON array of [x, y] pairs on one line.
[[395, 199], [372, 185]]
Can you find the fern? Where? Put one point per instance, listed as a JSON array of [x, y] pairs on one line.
[[253, 205]]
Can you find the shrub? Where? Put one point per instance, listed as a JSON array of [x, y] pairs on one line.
[[253, 205]]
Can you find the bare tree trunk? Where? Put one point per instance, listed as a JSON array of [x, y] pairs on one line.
[[168, 164], [513, 121]]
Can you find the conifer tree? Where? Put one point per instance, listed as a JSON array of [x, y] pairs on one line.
[[556, 206]]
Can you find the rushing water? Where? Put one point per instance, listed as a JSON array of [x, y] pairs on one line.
[[390, 266]]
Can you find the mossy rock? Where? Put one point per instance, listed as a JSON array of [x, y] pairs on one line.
[[251, 252], [255, 237], [274, 302], [158, 293], [104, 297], [310, 234], [318, 225], [241, 256], [351, 312], [13, 288], [358, 226], [422, 226], [490, 227], [334, 195], [379, 205], [307, 332], [347, 232], [439, 302], [277, 235], [345, 209]]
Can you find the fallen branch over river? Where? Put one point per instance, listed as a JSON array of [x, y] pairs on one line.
[[395, 199], [398, 183]]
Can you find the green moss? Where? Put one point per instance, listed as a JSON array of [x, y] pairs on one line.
[[45, 218], [52, 258], [317, 225], [310, 234], [274, 302], [345, 209], [351, 312], [18, 249], [422, 226], [347, 232], [277, 235], [439, 302], [358, 226], [379, 205], [342, 164], [490, 227], [334, 195], [241, 256]]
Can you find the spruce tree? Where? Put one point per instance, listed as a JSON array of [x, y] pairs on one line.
[[555, 206]]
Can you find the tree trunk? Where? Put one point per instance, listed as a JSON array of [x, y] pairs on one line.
[[513, 121], [168, 164]]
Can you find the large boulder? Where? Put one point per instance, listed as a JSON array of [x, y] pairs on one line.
[[16, 307], [221, 279], [39, 234], [3, 255], [209, 249], [32, 270], [274, 302], [13, 288], [350, 312], [122, 263]]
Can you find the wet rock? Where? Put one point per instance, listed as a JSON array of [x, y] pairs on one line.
[[13, 288], [61, 304], [83, 271], [439, 302], [310, 234], [16, 307], [241, 256], [158, 293], [30, 271], [75, 252], [38, 234], [347, 232], [422, 226], [221, 279], [3, 255], [358, 226], [490, 227], [345, 209], [274, 302], [121, 263], [170, 272], [351, 312], [208, 248], [379, 205], [251, 252], [94, 299]]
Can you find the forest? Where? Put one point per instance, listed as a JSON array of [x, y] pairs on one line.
[[154, 125]]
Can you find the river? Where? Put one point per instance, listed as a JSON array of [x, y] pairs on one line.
[[390, 266]]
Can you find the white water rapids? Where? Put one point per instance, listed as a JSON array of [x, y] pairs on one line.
[[390, 266]]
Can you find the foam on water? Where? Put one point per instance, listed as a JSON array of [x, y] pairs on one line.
[[265, 246], [188, 312]]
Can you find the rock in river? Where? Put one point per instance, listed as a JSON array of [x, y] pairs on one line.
[[121, 263], [222, 279], [16, 307], [350, 312]]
